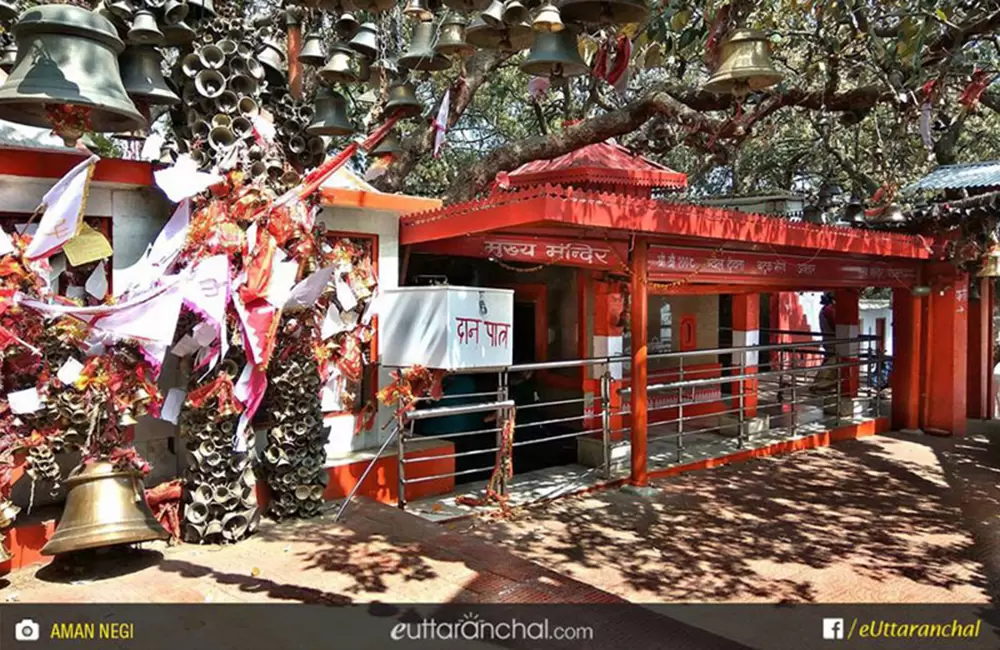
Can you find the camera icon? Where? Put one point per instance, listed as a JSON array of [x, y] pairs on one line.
[[26, 630]]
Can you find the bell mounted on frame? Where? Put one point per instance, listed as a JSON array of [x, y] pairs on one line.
[[452, 42], [418, 10], [493, 14], [346, 25], [313, 52], [67, 74], [514, 12], [548, 19], [421, 55], [143, 78], [341, 68], [7, 10], [330, 117], [991, 263], [402, 100], [365, 41], [510, 39], [746, 65], [555, 54], [145, 30], [272, 58], [605, 12], [175, 11], [8, 58], [388, 146]]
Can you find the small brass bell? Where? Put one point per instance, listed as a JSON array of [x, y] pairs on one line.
[[248, 107], [514, 13], [9, 58], [122, 9], [210, 83], [273, 59], [854, 211], [67, 56], [389, 145], [991, 265], [228, 46], [143, 77], [254, 69], [201, 9], [330, 115], [467, 6], [313, 53], [341, 67], [347, 25], [402, 100], [365, 41], [421, 54], [241, 126], [242, 85], [493, 15], [417, 10], [104, 507], [227, 102], [174, 11], [212, 57], [191, 65], [555, 54], [144, 29], [7, 11], [179, 34], [548, 19], [452, 39], [746, 65], [8, 512], [605, 12]]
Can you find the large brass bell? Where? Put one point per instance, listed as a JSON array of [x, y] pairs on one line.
[[8, 512], [746, 65], [178, 34], [365, 41], [555, 54], [402, 100], [144, 30], [7, 11], [514, 12], [418, 10], [330, 117], [421, 54], [389, 145], [548, 19], [9, 58], [607, 12], [346, 25], [451, 42], [341, 68], [991, 267], [143, 77], [493, 15], [512, 39], [104, 507], [68, 56], [273, 59], [313, 52]]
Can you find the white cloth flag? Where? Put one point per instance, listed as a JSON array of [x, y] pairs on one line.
[[441, 123], [64, 205], [170, 241], [207, 293], [183, 180], [6, 243], [307, 292]]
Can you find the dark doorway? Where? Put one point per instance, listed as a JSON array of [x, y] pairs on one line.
[[524, 332]]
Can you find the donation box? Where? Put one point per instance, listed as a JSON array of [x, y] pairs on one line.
[[447, 328]]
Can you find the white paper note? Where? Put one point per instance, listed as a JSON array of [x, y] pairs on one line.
[[57, 265], [282, 280], [344, 295], [172, 404], [185, 346], [242, 388], [183, 180], [70, 371], [331, 394], [75, 292], [6, 243], [371, 309], [204, 334], [24, 402], [97, 283]]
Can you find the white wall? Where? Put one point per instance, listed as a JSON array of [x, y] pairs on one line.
[[868, 318]]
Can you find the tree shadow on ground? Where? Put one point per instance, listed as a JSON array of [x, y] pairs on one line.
[[94, 565], [252, 585], [870, 510]]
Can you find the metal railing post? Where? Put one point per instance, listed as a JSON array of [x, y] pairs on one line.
[[606, 421], [878, 381], [794, 411], [680, 413], [502, 391], [840, 387], [404, 431], [741, 415]]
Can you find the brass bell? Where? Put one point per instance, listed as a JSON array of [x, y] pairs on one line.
[[514, 13], [8, 512], [210, 83], [179, 34], [340, 68], [254, 69], [104, 507], [421, 54], [7, 11], [174, 11], [241, 126], [297, 144], [402, 100], [191, 65], [68, 57], [493, 15], [746, 65], [331, 115], [467, 6], [144, 29], [417, 10], [555, 54], [5, 555], [346, 25], [991, 268], [122, 9], [258, 169], [273, 59], [228, 46], [227, 102], [142, 76], [9, 58], [247, 107], [365, 41], [313, 52], [201, 129], [389, 145], [548, 19], [212, 57], [451, 42], [201, 9], [242, 85], [606, 12]]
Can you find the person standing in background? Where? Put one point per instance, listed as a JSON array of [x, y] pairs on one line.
[[828, 323]]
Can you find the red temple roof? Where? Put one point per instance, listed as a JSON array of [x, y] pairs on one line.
[[603, 163]]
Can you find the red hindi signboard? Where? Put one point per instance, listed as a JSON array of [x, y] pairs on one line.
[[594, 254]]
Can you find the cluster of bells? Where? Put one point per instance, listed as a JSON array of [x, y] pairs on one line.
[[825, 212], [293, 119], [293, 458], [220, 499]]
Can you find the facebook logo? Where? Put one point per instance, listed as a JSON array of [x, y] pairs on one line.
[[833, 629]]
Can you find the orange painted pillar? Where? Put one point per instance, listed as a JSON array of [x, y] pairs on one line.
[[293, 20], [746, 333], [980, 353], [640, 336], [944, 383], [847, 319], [907, 353], [608, 341]]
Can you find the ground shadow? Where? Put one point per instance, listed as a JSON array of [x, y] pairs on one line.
[[94, 565]]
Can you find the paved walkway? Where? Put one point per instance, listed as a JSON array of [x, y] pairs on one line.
[[882, 519]]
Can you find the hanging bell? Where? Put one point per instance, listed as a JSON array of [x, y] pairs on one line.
[[242, 85], [227, 102], [7, 11], [548, 19], [242, 127], [174, 11], [330, 115], [9, 58], [313, 53], [210, 84], [68, 58], [402, 100], [201, 8], [514, 13], [272, 59], [341, 67], [467, 6], [417, 10], [347, 25], [122, 9], [854, 211], [228, 46], [191, 65], [365, 41], [493, 15], [991, 267], [605, 12], [555, 54], [891, 213], [389, 145], [421, 54], [451, 42], [179, 34], [142, 76], [248, 107], [104, 507], [144, 29], [746, 65], [8, 512], [212, 57]]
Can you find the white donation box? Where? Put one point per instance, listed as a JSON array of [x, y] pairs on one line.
[[447, 328]]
